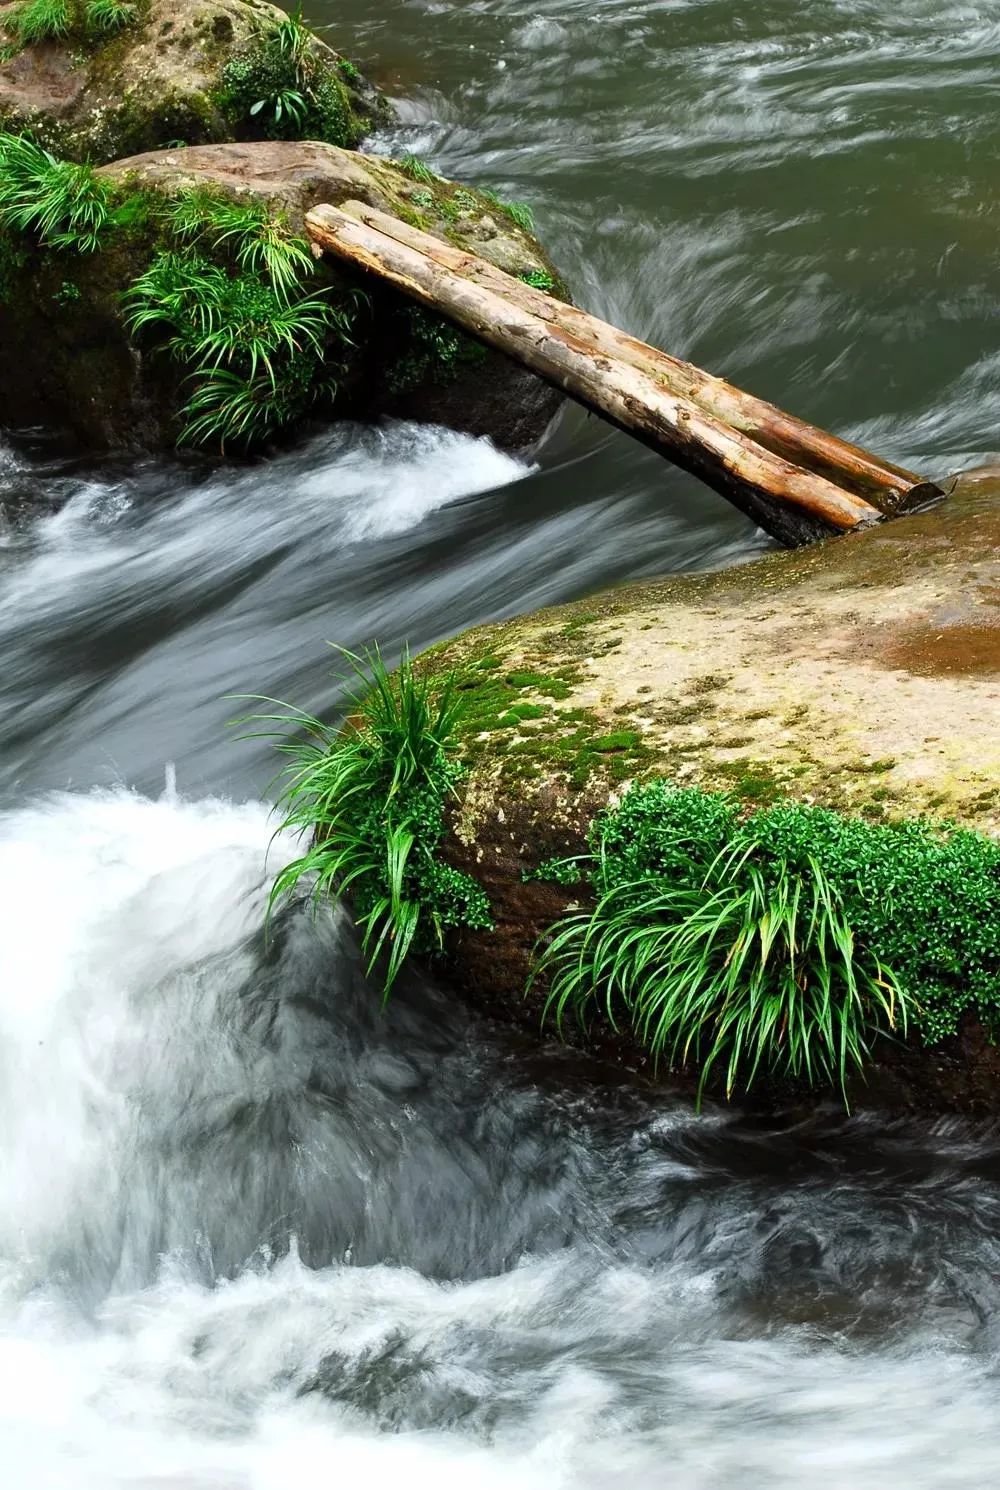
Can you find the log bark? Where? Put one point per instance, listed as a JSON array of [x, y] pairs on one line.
[[890, 488], [581, 356]]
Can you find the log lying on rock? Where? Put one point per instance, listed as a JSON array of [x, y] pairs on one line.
[[797, 482]]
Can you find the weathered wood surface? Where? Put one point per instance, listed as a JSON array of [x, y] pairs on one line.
[[797, 482]]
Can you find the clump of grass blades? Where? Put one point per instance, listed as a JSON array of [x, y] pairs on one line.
[[64, 203], [109, 16], [416, 169], [255, 351], [730, 943], [518, 212], [292, 38], [262, 243], [39, 20], [371, 796]]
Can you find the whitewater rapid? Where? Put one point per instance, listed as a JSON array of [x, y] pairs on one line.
[[256, 1234]]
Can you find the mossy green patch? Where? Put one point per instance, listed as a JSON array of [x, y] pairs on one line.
[[429, 349]]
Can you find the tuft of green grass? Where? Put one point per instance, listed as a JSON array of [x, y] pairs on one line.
[[110, 16], [782, 943], [416, 169], [255, 352], [39, 20], [370, 795], [62, 202], [519, 212], [232, 303], [539, 279], [293, 39], [261, 241]]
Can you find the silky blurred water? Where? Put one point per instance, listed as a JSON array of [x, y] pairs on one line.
[[256, 1233]]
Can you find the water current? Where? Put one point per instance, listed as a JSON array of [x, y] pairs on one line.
[[256, 1234]]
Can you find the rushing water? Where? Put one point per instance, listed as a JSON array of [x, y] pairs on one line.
[[255, 1234]]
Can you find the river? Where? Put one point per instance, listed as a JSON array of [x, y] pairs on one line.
[[255, 1234]]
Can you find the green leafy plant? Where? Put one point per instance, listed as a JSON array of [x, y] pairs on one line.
[[539, 279], [63, 203], [432, 350], [110, 16], [255, 353], [518, 212], [371, 796], [292, 38], [785, 942], [232, 303], [39, 20], [288, 104], [416, 169], [289, 87], [262, 242]]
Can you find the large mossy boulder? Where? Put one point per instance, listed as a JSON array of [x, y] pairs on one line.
[[860, 675], [170, 71], [71, 359]]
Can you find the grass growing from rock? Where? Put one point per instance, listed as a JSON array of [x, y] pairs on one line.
[[233, 304], [285, 88], [39, 20], [108, 17], [371, 795], [62, 203], [36, 21], [782, 943]]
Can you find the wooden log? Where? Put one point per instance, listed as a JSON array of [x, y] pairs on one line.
[[890, 488], [790, 501]]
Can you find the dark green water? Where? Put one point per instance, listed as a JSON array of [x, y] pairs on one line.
[[798, 196]]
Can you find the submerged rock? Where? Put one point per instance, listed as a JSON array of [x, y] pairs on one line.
[[172, 71], [862, 674], [70, 359]]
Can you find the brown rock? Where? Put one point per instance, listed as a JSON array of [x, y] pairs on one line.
[[153, 83], [70, 360]]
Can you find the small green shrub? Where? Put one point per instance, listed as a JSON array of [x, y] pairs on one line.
[[432, 350], [371, 794], [110, 16], [39, 20], [539, 279], [63, 203], [784, 942], [286, 86]]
